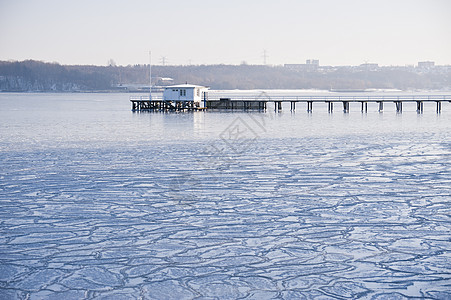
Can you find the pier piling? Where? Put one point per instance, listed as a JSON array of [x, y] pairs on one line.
[[439, 106], [398, 106], [364, 106], [419, 106], [345, 106], [330, 106], [309, 106]]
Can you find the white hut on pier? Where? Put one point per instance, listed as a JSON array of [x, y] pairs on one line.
[[186, 93]]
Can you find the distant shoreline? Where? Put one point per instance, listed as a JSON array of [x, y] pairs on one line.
[[35, 76]]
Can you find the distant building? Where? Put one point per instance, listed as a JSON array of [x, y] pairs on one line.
[[164, 80], [310, 65], [186, 93], [314, 62], [426, 64], [369, 66], [296, 67]]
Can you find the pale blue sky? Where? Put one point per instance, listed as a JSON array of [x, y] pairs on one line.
[[337, 32]]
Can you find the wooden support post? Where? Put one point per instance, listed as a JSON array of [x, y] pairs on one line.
[[279, 105], [398, 106], [345, 106], [309, 106], [439, 107], [364, 106], [419, 106], [330, 106], [293, 106]]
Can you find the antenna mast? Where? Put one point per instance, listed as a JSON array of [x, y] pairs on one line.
[[150, 75], [265, 56]]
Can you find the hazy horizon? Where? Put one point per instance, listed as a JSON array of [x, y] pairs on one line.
[[415, 64], [198, 32]]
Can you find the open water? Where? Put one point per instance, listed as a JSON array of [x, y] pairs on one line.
[[98, 202]]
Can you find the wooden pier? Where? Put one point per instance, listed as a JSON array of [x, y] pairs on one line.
[[253, 102], [259, 102], [144, 103]]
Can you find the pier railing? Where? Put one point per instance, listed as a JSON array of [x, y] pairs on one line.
[[157, 97], [314, 98], [331, 98]]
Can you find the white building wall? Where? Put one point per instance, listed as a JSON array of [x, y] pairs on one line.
[[189, 93]]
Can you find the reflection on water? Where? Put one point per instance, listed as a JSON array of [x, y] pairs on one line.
[[100, 202]]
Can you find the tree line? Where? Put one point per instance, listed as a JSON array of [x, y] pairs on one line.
[[31, 75]]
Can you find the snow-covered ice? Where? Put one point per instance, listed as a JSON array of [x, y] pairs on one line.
[[296, 216]]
